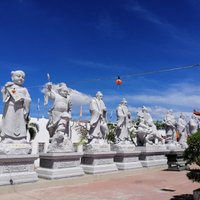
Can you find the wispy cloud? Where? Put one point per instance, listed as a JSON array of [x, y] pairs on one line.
[[95, 65], [182, 97], [16, 66], [180, 35], [136, 7], [107, 27]]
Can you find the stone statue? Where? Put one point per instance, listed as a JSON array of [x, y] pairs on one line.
[[170, 127], [16, 108], [147, 132], [182, 129], [59, 117], [16, 100], [193, 124], [98, 124], [123, 122]]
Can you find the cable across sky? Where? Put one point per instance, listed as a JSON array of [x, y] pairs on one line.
[[131, 75]]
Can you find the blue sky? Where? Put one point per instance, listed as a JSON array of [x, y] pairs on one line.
[[78, 41]]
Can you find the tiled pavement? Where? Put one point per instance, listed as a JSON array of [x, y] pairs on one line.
[[142, 184]]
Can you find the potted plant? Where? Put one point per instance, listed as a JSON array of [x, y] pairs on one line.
[[192, 156]]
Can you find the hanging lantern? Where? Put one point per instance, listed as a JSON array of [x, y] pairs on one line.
[[118, 81], [196, 113]]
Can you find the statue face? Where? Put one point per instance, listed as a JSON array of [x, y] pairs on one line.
[[99, 96], [63, 92], [18, 78]]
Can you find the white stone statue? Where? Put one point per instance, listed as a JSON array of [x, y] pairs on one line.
[[123, 122], [147, 132], [193, 124], [143, 113], [98, 122], [182, 129], [16, 109], [59, 117], [170, 127]]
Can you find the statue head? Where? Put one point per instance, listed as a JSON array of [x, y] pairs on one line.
[[18, 77], [193, 116], [63, 90], [182, 116], [144, 109], [124, 102], [99, 95], [170, 112]]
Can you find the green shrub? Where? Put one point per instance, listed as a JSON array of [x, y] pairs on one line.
[[192, 155], [112, 131]]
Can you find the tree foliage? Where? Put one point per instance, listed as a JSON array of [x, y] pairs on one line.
[[192, 155]]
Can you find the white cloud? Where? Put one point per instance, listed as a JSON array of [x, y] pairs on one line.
[[182, 98], [79, 98], [182, 95]]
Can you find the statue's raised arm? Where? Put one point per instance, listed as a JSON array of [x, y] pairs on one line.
[[59, 116]]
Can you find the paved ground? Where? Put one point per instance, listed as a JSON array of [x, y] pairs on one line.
[[142, 184]]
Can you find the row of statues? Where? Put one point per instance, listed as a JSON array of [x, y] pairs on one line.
[[16, 112]]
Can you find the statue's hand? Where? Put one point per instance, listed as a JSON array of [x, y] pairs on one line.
[[49, 85]]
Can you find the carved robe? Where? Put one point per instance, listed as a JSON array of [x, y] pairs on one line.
[[122, 122], [98, 118], [16, 109]]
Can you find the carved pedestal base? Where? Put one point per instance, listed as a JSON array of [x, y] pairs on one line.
[[126, 157], [175, 160], [152, 156], [127, 160], [60, 165], [98, 162], [16, 169]]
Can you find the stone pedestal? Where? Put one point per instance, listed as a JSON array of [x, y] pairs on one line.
[[152, 156], [16, 169], [60, 165], [126, 156], [98, 162], [175, 160], [196, 194]]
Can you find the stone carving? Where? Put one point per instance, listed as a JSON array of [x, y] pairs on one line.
[[16, 100], [123, 122], [193, 124], [59, 117], [170, 127], [182, 129], [147, 133], [16, 108], [98, 123]]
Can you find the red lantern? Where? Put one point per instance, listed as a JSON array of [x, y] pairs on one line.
[[118, 81]]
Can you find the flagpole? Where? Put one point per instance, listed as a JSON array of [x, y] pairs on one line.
[[38, 109], [81, 113]]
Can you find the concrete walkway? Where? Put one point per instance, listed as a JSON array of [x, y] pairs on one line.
[[142, 184]]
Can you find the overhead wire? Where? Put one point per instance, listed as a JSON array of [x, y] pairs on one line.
[[129, 75]]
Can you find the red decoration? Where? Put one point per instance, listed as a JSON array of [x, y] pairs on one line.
[[118, 81], [13, 91], [196, 113]]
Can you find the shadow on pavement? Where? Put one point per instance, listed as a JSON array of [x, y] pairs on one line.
[[183, 197]]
